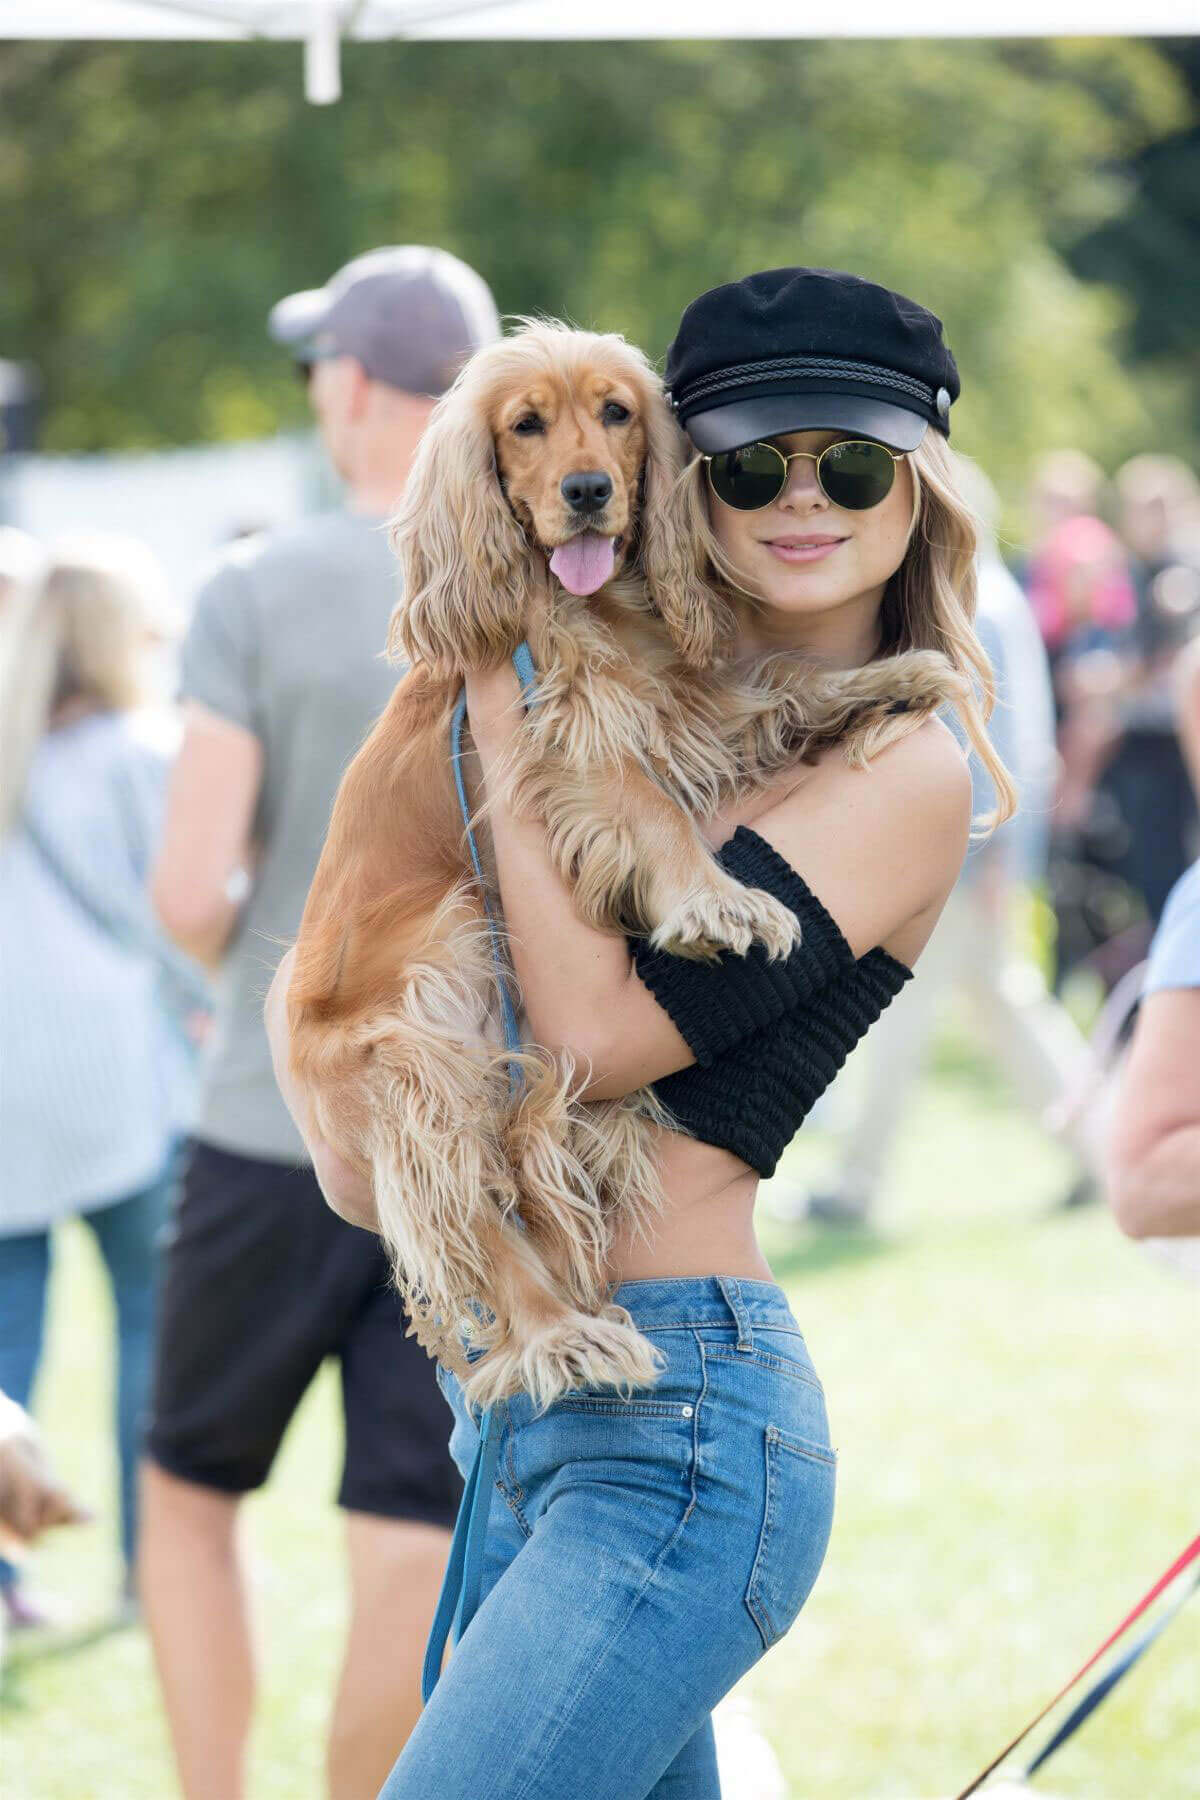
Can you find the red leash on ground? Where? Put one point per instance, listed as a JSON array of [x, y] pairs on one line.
[[1190, 1555]]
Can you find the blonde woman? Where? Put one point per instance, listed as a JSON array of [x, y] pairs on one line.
[[93, 1061], [643, 1552]]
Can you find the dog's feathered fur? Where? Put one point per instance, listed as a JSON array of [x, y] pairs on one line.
[[497, 1210]]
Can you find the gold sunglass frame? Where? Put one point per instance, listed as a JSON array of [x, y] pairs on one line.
[[816, 456]]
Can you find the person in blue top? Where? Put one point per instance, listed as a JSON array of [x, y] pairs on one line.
[[95, 1006], [642, 1551], [1154, 1151]]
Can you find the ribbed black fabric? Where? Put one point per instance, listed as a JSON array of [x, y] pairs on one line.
[[717, 1004], [751, 1101], [768, 1037]]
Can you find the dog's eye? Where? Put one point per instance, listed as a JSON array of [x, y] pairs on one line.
[[614, 413], [529, 426]]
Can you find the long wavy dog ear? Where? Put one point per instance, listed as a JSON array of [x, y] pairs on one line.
[[463, 557], [674, 559]]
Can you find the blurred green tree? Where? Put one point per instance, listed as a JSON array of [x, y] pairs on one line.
[[1150, 247], [155, 199]]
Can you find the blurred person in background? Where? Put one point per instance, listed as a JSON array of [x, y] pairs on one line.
[[1080, 590], [1146, 779], [22, 560], [1083, 599], [974, 946], [95, 1005], [1065, 484], [283, 676], [1083, 595]]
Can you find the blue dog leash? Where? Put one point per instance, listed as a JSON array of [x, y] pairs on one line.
[[527, 676], [459, 1597]]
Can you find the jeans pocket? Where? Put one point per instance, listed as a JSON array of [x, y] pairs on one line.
[[797, 1519]]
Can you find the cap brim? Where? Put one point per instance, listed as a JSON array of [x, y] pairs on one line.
[[299, 317], [745, 421]]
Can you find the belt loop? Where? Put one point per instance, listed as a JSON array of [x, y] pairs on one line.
[[732, 1290]]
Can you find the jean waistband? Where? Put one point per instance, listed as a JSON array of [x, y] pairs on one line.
[[689, 1301]]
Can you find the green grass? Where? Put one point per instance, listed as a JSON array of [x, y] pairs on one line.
[[1013, 1394]]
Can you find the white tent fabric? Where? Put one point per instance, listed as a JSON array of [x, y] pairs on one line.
[[322, 24], [615, 19]]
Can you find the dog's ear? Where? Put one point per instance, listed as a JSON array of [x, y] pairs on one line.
[[463, 557], [674, 561]]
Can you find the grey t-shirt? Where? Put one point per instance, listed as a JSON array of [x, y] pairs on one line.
[[286, 641]]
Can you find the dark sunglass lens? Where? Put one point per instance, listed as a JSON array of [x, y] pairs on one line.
[[857, 475], [748, 478], [304, 373]]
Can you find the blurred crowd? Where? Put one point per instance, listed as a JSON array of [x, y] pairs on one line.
[[1113, 577], [106, 965]]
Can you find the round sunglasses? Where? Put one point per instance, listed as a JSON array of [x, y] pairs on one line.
[[855, 474]]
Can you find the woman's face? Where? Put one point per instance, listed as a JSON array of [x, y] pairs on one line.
[[820, 569]]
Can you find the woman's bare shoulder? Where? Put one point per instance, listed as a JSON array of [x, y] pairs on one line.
[[881, 845]]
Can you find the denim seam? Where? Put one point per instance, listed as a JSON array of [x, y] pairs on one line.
[[600, 1406], [700, 1399], [651, 1576], [799, 1446], [778, 1364], [761, 1619], [717, 1324], [513, 1492]]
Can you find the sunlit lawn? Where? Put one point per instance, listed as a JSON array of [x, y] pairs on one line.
[[1014, 1396]]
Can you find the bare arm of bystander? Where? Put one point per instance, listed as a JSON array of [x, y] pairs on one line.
[[1154, 1150], [203, 866]]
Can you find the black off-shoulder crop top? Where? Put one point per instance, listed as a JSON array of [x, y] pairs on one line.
[[768, 1037]]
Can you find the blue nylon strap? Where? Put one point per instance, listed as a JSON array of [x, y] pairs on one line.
[[459, 1597], [1107, 1683]]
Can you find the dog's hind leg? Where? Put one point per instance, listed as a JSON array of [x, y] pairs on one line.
[[450, 1197]]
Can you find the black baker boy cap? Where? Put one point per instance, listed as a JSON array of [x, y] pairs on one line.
[[809, 350]]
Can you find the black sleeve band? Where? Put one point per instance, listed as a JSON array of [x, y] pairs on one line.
[[716, 1004]]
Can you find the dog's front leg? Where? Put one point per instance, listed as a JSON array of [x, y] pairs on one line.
[[636, 862]]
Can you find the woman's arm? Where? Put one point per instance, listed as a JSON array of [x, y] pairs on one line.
[[881, 849], [347, 1192]]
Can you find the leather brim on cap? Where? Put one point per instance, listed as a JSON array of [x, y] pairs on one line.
[[745, 421], [300, 316]]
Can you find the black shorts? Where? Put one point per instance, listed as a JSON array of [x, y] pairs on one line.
[[261, 1282]]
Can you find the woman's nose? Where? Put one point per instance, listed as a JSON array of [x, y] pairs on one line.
[[802, 486]]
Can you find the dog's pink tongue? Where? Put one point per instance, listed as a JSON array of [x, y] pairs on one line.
[[584, 563]]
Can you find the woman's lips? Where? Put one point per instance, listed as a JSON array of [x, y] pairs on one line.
[[800, 549]]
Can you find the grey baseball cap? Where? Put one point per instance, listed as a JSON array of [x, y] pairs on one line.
[[411, 315]]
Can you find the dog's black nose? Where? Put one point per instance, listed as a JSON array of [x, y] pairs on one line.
[[587, 491]]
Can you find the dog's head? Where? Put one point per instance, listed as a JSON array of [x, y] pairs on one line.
[[553, 448]]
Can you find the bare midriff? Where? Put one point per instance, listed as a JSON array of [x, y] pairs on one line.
[[706, 1226]]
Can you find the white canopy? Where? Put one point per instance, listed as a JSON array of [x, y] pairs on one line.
[[321, 24]]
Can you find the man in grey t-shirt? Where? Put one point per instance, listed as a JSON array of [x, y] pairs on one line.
[[283, 677]]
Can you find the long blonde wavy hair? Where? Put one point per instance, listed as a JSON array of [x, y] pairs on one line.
[[79, 632], [928, 604]]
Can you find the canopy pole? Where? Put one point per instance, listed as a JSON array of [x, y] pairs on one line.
[[322, 55]]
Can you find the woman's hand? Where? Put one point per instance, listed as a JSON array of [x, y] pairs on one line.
[[347, 1192]]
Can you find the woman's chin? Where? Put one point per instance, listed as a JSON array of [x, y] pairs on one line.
[[803, 592]]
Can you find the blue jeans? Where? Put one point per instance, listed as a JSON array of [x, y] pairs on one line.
[[126, 1233], [642, 1554]]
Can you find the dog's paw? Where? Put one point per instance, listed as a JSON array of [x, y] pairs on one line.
[[732, 917], [576, 1351]]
